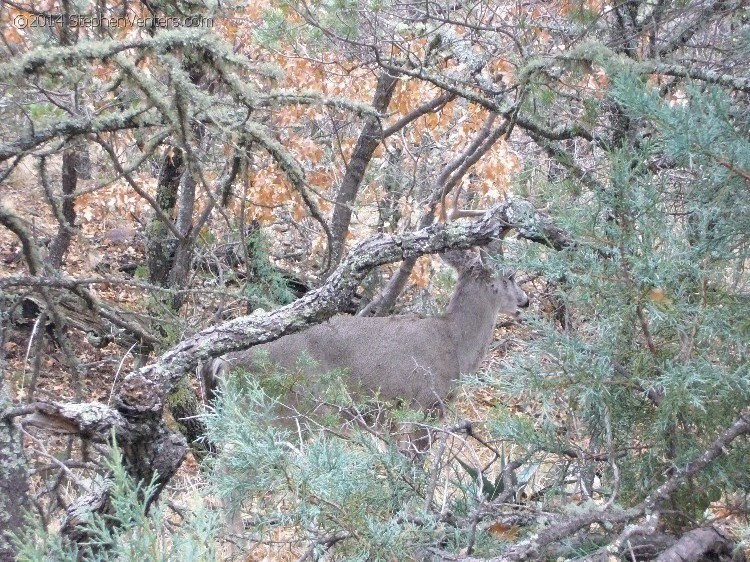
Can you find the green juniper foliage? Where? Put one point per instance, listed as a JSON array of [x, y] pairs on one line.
[[654, 361], [128, 533], [268, 287], [325, 485]]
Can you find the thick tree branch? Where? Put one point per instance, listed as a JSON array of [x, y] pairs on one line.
[[92, 420], [565, 159], [695, 545], [13, 222], [429, 107], [56, 60], [322, 303], [741, 84], [601, 54], [699, 21], [132, 118]]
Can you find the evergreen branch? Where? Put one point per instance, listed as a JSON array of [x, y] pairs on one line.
[[719, 447], [729, 166], [564, 158]]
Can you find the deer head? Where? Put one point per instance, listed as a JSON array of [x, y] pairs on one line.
[[478, 279]]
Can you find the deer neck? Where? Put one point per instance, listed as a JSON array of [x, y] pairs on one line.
[[471, 317]]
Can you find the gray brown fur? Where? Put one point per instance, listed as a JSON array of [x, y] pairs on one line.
[[404, 359]]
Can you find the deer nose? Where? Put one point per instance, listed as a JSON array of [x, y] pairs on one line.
[[524, 302]]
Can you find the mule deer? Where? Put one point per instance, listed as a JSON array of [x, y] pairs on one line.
[[405, 359]]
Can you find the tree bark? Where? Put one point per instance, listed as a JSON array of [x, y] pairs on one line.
[[368, 141], [185, 407], [67, 214], [161, 243], [169, 264], [695, 545]]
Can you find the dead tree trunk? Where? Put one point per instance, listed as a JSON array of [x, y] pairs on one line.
[[161, 242], [168, 265]]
